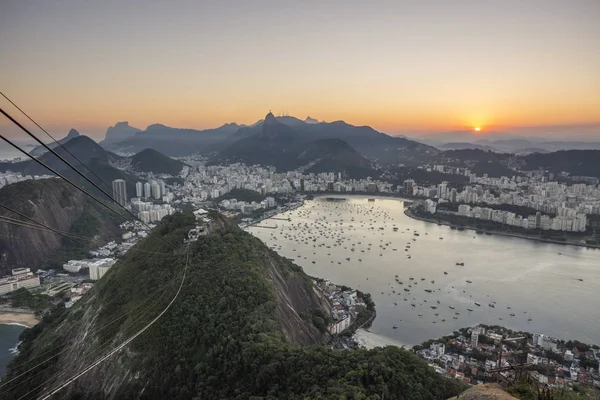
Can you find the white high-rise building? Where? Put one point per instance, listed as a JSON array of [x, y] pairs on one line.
[[120, 191], [139, 189], [147, 190], [442, 189], [163, 188], [156, 190]]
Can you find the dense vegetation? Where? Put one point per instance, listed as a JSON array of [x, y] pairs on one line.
[[23, 298], [222, 338], [242, 195]]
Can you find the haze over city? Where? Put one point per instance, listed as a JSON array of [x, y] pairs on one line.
[[402, 67]]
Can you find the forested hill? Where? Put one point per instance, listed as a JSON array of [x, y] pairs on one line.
[[149, 160], [235, 331]]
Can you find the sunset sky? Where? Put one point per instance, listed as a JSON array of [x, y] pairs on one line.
[[411, 67]]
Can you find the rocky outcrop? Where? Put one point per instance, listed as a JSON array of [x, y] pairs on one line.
[[52, 202], [118, 133], [293, 297]]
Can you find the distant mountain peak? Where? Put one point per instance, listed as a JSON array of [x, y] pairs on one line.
[[156, 126], [39, 150], [121, 131], [72, 133], [310, 120], [274, 129]]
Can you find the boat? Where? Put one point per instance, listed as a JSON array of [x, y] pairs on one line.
[[469, 281], [469, 309], [492, 305], [428, 290], [512, 315], [420, 315], [394, 327], [478, 304], [433, 307], [451, 307], [445, 273], [462, 264], [441, 238], [416, 234]]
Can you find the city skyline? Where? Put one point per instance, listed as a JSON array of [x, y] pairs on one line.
[[402, 68]]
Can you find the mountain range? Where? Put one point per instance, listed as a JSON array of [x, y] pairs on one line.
[[180, 142], [283, 146]]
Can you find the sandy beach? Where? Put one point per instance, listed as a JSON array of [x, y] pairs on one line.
[[28, 320], [371, 340]]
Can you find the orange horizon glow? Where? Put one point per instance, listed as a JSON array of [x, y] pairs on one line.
[[399, 67]]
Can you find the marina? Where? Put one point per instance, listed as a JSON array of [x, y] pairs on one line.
[[526, 284]]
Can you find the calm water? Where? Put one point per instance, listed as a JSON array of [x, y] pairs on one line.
[[9, 337], [529, 277]]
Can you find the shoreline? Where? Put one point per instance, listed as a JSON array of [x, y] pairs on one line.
[[409, 214], [26, 320]]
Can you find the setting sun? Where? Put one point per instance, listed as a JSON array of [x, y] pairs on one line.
[[477, 129]]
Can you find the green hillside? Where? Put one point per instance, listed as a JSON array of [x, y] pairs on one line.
[[235, 331]]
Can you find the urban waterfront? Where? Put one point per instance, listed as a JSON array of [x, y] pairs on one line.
[[521, 284]]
